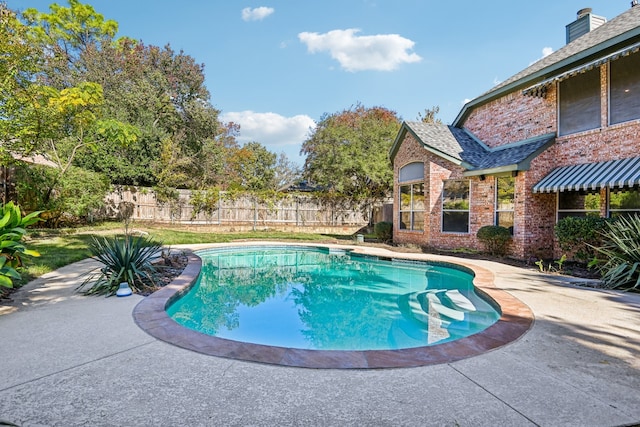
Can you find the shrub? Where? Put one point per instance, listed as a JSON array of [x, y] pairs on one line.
[[496, 239], [579, 235], [124, 259], [74, 196], [12, 230], [621, 248], [383, 231]]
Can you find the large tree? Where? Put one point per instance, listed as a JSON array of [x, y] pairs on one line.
[[348, 153], [158, 90]]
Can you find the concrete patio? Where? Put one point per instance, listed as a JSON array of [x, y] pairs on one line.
[[71, 360]]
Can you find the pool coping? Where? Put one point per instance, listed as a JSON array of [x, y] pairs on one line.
[[515, 320]]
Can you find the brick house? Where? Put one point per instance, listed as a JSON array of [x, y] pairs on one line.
[[560, 138]]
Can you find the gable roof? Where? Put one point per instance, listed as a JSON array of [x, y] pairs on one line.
[[611, 36], [462, 148]]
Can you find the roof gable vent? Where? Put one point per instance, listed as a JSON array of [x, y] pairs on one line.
[[585, 23]]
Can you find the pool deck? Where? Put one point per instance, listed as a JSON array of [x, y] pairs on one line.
[[73, 360]]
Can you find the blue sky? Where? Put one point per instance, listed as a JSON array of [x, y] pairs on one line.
[[276, 66]]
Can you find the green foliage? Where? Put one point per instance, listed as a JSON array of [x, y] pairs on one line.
[[348, 152], [559, 262], [621, 251], [383, 231], [205, 201], [124, 259], [496, 239], [74, 196], [12, 231], [579, 235], [82, 193], [252, 167]]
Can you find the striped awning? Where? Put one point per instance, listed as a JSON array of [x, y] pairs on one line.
[[591, 176], [540, 89]]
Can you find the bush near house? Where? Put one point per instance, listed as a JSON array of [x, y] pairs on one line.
[[383, 231], [579, 236], [496, 239], [621, 250]]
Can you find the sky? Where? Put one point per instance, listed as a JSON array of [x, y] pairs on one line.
[[277, 66]]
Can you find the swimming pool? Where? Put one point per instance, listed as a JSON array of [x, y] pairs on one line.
[[314, 298]]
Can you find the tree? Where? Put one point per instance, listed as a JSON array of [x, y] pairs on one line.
[[253, 167], [286, 173], [64, 34], [19, 64], [157, 90], [348, 152], [430, 115]]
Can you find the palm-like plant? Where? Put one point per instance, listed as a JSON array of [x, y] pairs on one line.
[[621, 250], [125, 259], [12, 230]]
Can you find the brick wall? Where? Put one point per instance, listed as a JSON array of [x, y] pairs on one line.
[[514, 117]]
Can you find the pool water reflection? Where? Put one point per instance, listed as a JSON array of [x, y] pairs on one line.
[[322, 299]]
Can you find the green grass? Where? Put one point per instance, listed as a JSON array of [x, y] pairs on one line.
[[58, 248]]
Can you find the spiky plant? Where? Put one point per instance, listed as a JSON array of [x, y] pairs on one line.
[[124, 259], [621, 250]]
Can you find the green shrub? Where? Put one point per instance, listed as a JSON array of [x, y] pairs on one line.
[[383, 231], [579, 235], [124, 259], [621, 250], [12, 230], [496, 239]]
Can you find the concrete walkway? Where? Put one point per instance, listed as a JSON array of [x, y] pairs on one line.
[[70, 360]]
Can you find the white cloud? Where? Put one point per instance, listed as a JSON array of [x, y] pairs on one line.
[[382, 52], [256, 14], [277, 133], [546, 51]]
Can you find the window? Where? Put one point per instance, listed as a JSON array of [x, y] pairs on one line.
[[505, 201], [579, 103], [624, 89], [411, 197], [623, 202], [578, 203], [455, 206], [412, 207]]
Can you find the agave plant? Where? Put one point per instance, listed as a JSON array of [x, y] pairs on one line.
[[124, 259], [621, 250], [12, 230]]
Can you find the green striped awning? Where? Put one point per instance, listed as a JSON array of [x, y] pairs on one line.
[[591, 176]]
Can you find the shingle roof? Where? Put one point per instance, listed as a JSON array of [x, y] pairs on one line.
[[462, 148], [608, 37]]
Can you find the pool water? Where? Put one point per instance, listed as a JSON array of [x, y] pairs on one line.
[[324, 299]]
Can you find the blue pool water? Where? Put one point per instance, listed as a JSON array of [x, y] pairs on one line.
[[324, 299]]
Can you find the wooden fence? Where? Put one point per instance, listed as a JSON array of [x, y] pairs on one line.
[[246, 211]]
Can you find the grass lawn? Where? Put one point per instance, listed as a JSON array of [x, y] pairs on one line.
[[60, 247]]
